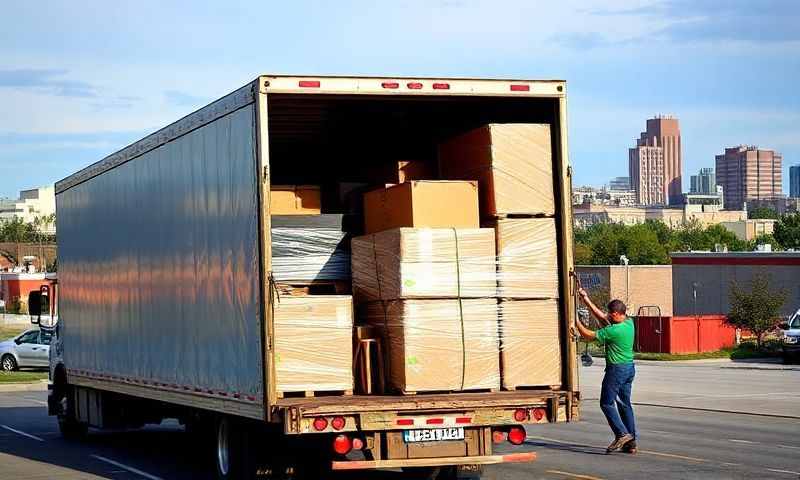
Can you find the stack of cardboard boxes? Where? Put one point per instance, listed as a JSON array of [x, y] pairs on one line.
[[514, 167]]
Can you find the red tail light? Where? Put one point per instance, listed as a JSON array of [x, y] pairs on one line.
[[498, 436], [338, 423], [342, 444], [309, 83], [405, 421], [520, 88], [538, 413], [441, 86], [390, 85], [517, 435], [320, 424], [358, 444], [520, 415], [414, 86]]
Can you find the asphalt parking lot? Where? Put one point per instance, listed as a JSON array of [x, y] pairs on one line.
[[687, 431]]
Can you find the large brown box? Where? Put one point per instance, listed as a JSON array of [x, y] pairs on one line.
[[513, 163], [424, 263], [313, 343], [529, 343], [527, 257], [439, 345], [294, 200], [420, 203]]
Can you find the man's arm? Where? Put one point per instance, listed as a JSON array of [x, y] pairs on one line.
[[586, 333], [598, 314]]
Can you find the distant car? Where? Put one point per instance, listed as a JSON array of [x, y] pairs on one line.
[[29, 349], [790, 334]]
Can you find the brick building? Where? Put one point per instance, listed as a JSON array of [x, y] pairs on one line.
[[749, 174], [660, 141]]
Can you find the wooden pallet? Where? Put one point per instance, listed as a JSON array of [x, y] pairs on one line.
[[314, 287], [447, 392], [315, 393], [531, 387]]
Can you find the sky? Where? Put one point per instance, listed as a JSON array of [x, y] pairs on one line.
[[81, 79]]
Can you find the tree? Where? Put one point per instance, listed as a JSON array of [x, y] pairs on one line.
[[758, 309], [763, 212], [787, 231]]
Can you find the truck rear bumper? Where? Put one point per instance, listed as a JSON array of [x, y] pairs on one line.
[[522, 457]]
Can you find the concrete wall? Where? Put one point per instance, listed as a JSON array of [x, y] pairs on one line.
[[712, 284], [636, 285]]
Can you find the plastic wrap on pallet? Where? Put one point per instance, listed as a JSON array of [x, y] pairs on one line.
[[530, 348], [512, 162], [438, 344], [527, 257], [424, 263], [313, 343], [310, 247]]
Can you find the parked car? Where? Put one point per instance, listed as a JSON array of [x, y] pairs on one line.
[[790, 334], [29, 349]]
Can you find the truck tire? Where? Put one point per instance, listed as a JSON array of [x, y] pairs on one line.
[[235, 456], [8, 363], [68, 424]]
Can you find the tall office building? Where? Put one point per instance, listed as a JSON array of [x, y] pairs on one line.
[[749, 174], [703, 183], [794, 181], [646, 167], [663, 133], [620, 184]]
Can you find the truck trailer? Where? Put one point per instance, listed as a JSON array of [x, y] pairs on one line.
[[166, 293]]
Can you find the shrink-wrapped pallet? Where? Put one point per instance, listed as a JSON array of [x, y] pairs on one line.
[[529, 343], [424, 263], [313, 343], [308, 248], [512, 162], [440, 344], [527, 257]]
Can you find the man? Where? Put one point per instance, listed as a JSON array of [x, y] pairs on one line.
[[615, 396]]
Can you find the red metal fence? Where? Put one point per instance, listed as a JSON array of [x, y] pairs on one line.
[[702, 333]]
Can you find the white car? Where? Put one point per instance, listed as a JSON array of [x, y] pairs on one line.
[[790, 334], [29, 349]]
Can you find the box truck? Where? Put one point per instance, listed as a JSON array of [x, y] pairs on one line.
[[167, 298]]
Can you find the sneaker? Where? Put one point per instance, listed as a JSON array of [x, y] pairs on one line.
[[630, 447], [619, 442]]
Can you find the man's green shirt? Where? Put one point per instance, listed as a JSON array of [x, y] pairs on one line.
[[618, 339]]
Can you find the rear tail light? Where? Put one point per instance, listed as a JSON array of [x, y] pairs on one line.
[[342, 444], [520, 88], [358, 444], [520, 414], [405, 422], [309, 83], [338, 423], [498, 436], [414, 85], [390, 85], [441, 86], [516, 435], [320, 424], [538, 413]]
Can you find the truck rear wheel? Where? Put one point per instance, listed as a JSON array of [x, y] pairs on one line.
[[235, 456], [68, 424]]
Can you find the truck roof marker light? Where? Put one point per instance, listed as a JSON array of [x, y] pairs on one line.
[[520, 415], [441, 86], [520, 88], [251, 398], [538, 413], [517, 435], [342, 444], [391, 85], [309, 83], [463, 420], [414, 86], [405, 421], [320, 424], [338, 423], [434, 421]]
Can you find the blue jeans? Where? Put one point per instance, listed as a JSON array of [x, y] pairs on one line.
[[615, 398]]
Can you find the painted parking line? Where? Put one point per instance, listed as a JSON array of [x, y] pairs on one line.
[[736, 440], [793, 447], [573, 475], [126, 467], [34, 400], [788, 472], [646, 452], [20, 432]]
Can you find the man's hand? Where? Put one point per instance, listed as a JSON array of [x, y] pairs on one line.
[[583, 295]]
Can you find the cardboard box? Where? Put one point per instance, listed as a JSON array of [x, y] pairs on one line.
[[424, 263], [294, 200], [513, 163], [420, 204], [400, 171], [527, 257], [439, 345], [313, 343], [530, 350]]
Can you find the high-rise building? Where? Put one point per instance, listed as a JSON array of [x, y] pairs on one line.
[[620, 184], [794, 181], [663, 131], [703, 183], [646, 167], [749, 174]]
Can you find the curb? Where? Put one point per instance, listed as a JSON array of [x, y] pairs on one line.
[[40, 386]]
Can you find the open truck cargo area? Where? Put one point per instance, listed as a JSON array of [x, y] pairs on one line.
[[179, 298]]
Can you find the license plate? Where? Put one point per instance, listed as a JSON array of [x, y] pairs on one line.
[[433, 435]]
